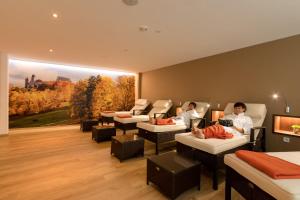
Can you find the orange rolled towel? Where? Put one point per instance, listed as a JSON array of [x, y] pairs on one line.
[[274, 167], [168, 121], [124, 116]]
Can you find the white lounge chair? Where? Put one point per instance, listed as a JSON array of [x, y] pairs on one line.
[[160, 108], [253, 184], [211, 151], [140, 107], [160, 134]]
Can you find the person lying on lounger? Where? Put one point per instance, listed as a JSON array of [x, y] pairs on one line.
[[241, 125], [185, 116]]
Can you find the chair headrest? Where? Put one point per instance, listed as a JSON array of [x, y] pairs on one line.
[[201, 107], [141, 102], [257, 112], [162, 103]]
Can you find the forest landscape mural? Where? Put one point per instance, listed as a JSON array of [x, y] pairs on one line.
[[42, 94]]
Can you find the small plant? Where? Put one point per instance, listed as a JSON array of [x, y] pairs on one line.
[[296, 128]]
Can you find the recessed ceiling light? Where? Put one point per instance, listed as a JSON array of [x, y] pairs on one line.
[[143, 28], [55, 15], [51, 50], [130, 2]]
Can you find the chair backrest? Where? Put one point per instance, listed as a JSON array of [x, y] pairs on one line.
[[160, 106], [140, 104], [257, 112], [201, 107]]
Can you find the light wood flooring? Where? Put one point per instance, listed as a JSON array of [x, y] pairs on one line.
[[67, 164]]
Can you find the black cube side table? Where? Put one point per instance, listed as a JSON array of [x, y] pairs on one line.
[[103, 133], [127, 146], [86, 125], [173, 173]]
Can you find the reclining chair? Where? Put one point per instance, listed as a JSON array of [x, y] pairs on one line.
[[140, 107], [160, 134], [160, 109], [211, 151]]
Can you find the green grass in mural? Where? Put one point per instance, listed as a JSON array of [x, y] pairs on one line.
[[52, 118]]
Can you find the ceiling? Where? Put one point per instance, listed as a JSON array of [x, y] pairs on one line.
[[106, 33]]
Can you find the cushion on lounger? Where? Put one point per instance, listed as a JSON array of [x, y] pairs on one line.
[[160, 106], [107, 111]]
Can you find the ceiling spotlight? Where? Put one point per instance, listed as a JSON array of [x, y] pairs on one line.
[[51, 50], [55, 15], [130, 2]]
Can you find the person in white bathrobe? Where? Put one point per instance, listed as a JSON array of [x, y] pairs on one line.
[[242, 124], [186, 116]]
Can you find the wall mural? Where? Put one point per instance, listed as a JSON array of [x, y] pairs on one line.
[[46, 94]]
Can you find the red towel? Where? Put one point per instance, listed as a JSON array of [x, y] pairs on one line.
[[216, 131], [168, 121], [124, 116], [108, 111], [274, 167]]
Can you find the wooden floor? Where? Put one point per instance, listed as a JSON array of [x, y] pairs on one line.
[[67, 164]]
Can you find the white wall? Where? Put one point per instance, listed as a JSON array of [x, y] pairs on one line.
[[3, 94]]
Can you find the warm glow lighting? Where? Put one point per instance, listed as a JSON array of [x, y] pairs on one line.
[[208, 105], [69, 67], [275, 96], [51, 50], [54, 15]]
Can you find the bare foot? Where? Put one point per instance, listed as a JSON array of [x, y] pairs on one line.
[[198, 133]]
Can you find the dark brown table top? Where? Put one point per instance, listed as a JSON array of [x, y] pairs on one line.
[[173, 162], [127, 138], [103, 127]]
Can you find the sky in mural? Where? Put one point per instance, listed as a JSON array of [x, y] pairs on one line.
[[19, 70]]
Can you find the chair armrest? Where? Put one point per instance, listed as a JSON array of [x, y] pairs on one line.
[[134, 111], [212, 122], [259, 142], [198, 121], [159, 114]]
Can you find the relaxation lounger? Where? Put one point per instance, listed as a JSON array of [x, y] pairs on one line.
[[253, 184], [166, 133], [160, 108], [140, 107], [211, 151]]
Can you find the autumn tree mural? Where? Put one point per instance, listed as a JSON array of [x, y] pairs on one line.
[[62, 100]]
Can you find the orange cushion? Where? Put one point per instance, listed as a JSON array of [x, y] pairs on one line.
[[124, 116], [168, 121]]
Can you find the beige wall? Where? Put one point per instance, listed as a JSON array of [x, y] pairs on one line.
[[3, 94], [251, 75]]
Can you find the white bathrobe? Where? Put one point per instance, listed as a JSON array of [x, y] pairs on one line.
[[239, 121], [186, 116]]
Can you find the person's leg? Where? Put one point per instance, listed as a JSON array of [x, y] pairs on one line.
[[198, 133]]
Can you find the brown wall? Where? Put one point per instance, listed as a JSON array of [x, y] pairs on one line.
[[251, 74]]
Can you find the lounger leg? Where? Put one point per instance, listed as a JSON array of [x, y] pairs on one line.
[[215, 179], [227, 188], [156, 148], [124, 131]]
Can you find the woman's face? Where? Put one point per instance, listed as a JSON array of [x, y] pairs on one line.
[[238, 110]]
